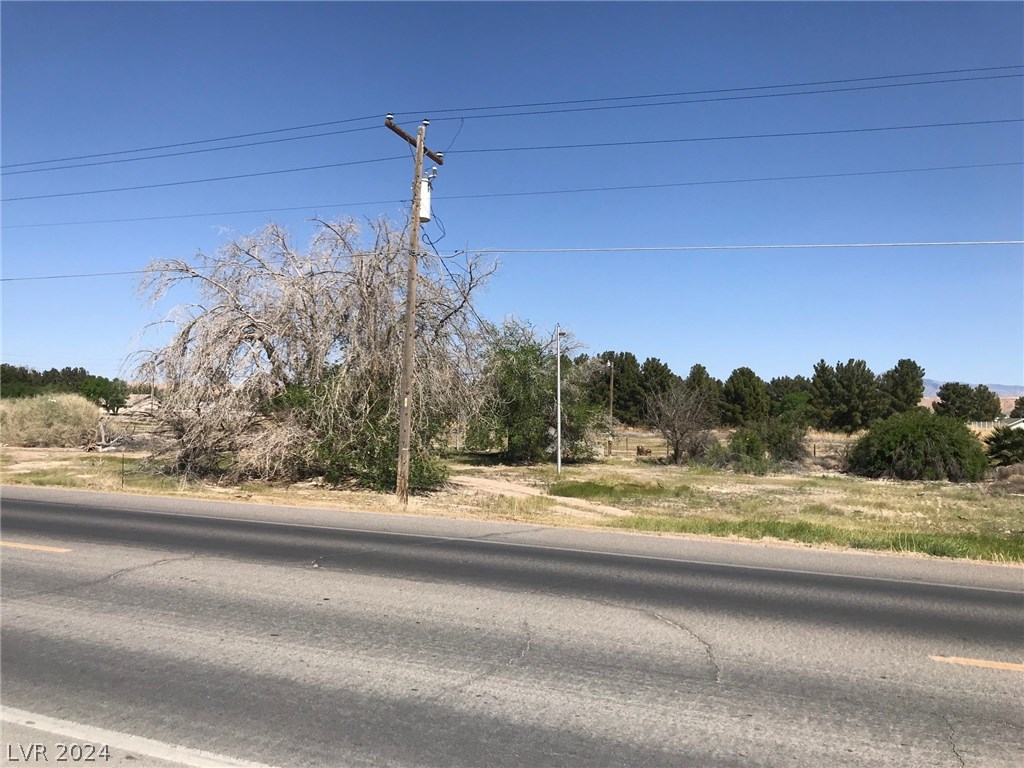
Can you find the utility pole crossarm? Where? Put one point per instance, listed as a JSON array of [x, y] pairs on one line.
[[437, 157]]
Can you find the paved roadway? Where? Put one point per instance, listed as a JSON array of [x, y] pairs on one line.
[[195, 632]]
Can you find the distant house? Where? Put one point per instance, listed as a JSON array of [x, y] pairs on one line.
[[1013, 424]]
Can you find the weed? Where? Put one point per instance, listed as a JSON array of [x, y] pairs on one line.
[[1005, 547]]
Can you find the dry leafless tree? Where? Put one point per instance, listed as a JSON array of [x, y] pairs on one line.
[[684, 415], [288, 363]]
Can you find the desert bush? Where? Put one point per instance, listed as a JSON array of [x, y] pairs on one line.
[[1009, 479], [747, 442], [783, 438], [1005, 446], [918, 445], [48, 421]]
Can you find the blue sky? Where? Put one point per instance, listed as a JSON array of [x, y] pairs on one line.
[[87, 78]]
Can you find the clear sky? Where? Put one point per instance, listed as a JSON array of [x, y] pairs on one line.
[[87, 78]]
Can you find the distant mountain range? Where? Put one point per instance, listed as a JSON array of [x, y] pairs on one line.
[[931, 388]]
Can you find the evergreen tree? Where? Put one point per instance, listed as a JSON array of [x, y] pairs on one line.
[[790, 397], [656, 377], [847, 397], [744, 398], [956, 400], [1018, 408], [699, 380], [630, 398], [987, 406], [904, 386]]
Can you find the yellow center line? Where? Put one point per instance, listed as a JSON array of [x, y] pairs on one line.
[[979, 663], [35, 547]]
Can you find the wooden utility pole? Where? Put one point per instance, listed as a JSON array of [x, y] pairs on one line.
[[408, 353]]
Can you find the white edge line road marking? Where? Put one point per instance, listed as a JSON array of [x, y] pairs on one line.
[[527, 545], [35, 547], [175, 753]]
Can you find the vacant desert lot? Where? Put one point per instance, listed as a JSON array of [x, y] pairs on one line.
[[810, 505]]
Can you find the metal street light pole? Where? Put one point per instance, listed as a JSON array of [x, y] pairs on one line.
[[558, 397], [611, 405]]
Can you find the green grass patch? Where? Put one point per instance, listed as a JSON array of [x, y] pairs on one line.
[[975, 546], [47, 477], [592, 489]]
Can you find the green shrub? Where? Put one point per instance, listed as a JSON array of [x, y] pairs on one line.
[[747, 442], [918, 445], [375, 465], [48, 421], [1005, 446], [783, 438]]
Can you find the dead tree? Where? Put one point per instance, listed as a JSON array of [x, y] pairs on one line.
[[286, 357], [684, 415]]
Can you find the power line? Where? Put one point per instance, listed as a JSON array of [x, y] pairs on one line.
[[667, 248], [728, 90], [568, 110], [188, 151], [646, 142], [201, 181], [174, 145], [70, 277], [618, 249], [651, 142], [545, 104], [462, 119], [527, 193]]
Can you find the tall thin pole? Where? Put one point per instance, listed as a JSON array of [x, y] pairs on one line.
[[558, 387], [405, 415], [611, 405]]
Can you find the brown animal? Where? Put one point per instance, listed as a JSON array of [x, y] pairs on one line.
[[641, 451]]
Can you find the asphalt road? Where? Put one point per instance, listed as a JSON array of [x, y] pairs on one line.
[[297, 637]]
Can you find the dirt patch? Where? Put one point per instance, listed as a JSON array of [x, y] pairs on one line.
[[569, 507]]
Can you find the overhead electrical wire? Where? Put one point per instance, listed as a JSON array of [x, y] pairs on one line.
[[645, 142], [526, 193], [531, 105], [617, 249], [187, 152], [505, 114], [805, 84], [737, 137], [568, 110], [202, 181], [797, 246]]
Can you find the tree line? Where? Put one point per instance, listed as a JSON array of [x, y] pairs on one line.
[[17, 381], [845, 397], [288, 365]]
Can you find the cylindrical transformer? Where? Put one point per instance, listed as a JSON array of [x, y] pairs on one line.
[[424, 211]]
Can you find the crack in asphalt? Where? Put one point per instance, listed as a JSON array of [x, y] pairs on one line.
[[526, 646], [708, 650], [707, 646], [951, 738], [488, 670], [103, 579]]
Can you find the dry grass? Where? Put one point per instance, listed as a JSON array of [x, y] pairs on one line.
[[984, 521], [49, 421]]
